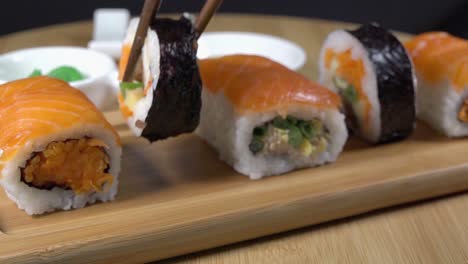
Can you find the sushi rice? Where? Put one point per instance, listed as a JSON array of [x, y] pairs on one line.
[[57, 152], [234, 132], [441, 63], [256, 93], [439, 106]]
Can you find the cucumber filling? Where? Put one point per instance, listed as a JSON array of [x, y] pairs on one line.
[[350, 101], [131, 92], [290, 136], [346, 90]]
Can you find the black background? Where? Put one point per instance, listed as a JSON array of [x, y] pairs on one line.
[[407, 15]]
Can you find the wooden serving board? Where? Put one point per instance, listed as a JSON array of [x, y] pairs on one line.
[[176, 197]]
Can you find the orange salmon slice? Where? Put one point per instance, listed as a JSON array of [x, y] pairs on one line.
[[439, 56], [36, 107], [253, 83]]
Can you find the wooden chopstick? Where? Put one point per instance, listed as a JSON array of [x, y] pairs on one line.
[[205, 15], [148, 13]]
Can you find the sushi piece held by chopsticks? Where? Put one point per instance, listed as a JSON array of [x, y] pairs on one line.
[[265, 119], [57, 151], [441, 62], [166, 102]]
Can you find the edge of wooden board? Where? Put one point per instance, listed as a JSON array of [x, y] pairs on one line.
[[148, 242]]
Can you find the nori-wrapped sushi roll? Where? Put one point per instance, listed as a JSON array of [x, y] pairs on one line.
[[168, 101], [373, 74]]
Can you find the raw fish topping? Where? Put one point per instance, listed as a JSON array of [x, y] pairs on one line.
[[438, 56], [36, 107], [254, 83]]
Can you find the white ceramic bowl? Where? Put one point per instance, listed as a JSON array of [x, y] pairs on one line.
[[100, 70], [216, 44]]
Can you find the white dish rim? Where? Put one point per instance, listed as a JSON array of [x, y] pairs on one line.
[[298, 64]]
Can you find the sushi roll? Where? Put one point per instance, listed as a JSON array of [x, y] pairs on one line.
[[57, 151], [441, 63], [265, 119], [371, 71], [166, 101]]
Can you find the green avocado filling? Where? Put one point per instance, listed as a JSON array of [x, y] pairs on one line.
[[64, 73], [286, 135]]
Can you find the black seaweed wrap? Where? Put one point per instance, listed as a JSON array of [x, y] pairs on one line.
[[177, 94], [396, 92]]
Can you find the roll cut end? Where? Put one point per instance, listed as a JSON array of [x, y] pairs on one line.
[[59, 152]]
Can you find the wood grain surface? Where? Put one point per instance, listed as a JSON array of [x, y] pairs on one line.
[[176, 198]]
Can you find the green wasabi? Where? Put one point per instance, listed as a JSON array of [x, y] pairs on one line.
[[64, 73], [35, 73]]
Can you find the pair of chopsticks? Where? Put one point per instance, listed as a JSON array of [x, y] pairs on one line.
[[148, 13]]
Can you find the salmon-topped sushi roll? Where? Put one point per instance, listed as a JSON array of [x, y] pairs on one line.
[[441, 63], [165, 99], [265, 119], [371, 71], [57, 151]]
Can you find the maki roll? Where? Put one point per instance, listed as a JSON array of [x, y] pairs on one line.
[[265, 119], [57, 151], [441, 63], [166, 101], [371, 71]]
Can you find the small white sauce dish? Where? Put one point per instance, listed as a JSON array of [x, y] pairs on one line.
[[216, 44], [99, 69]]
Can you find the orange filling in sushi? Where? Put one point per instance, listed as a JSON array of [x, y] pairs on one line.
[[348, 75], [463, 114], [77, 164]]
